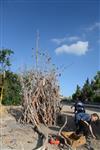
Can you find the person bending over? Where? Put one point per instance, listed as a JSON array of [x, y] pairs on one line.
[[83, 123]]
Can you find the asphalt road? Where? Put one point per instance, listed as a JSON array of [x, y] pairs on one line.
[[90, 110]]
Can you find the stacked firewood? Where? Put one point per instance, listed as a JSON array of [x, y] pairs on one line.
[[40, 93]]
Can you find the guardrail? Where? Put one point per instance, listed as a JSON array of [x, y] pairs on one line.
[[86, 105], [92, 106]]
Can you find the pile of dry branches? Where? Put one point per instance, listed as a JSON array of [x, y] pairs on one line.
[[40, 93]]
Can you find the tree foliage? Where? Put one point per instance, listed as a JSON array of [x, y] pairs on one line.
[[87, 91], [9, 80], [90, 90], [5, 59], [12, 89], [77, 94]]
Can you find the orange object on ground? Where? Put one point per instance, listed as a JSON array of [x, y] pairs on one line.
[[56, 142]]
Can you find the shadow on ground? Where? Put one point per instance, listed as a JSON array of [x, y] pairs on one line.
[[70, 125], [15, 112]]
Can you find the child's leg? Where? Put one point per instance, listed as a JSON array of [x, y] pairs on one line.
[[88, 137], [88, 144], [80, 128]]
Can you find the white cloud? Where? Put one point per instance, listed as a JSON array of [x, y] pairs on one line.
[[59, 41], [94, 26], [78, 48], [73, 38]]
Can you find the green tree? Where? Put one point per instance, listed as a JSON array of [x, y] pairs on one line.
[[90, 90], [87, 91], [96, 87], [77, 94], [4, 65], [5, 59], [96, 84], [12, 89]]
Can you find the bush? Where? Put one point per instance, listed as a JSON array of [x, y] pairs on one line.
[[96, 98], [12, 89]]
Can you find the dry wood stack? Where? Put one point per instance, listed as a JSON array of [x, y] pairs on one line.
[[40, 93]]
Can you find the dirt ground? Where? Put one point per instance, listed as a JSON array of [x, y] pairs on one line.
[[15, 136]]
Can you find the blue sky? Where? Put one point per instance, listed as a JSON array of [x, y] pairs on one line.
[[69, 32]]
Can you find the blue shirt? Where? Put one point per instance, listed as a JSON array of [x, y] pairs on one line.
[[84, 117]]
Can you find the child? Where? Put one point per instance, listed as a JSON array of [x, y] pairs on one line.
[[78, 107], [83, 121], [83, 124]]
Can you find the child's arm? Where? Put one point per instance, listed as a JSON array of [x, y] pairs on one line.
[[86, 123], [90, 128], [91, 131]]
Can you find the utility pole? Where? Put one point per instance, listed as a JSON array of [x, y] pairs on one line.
[[37, 47]]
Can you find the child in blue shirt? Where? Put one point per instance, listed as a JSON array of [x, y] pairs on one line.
[[83, 123]]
